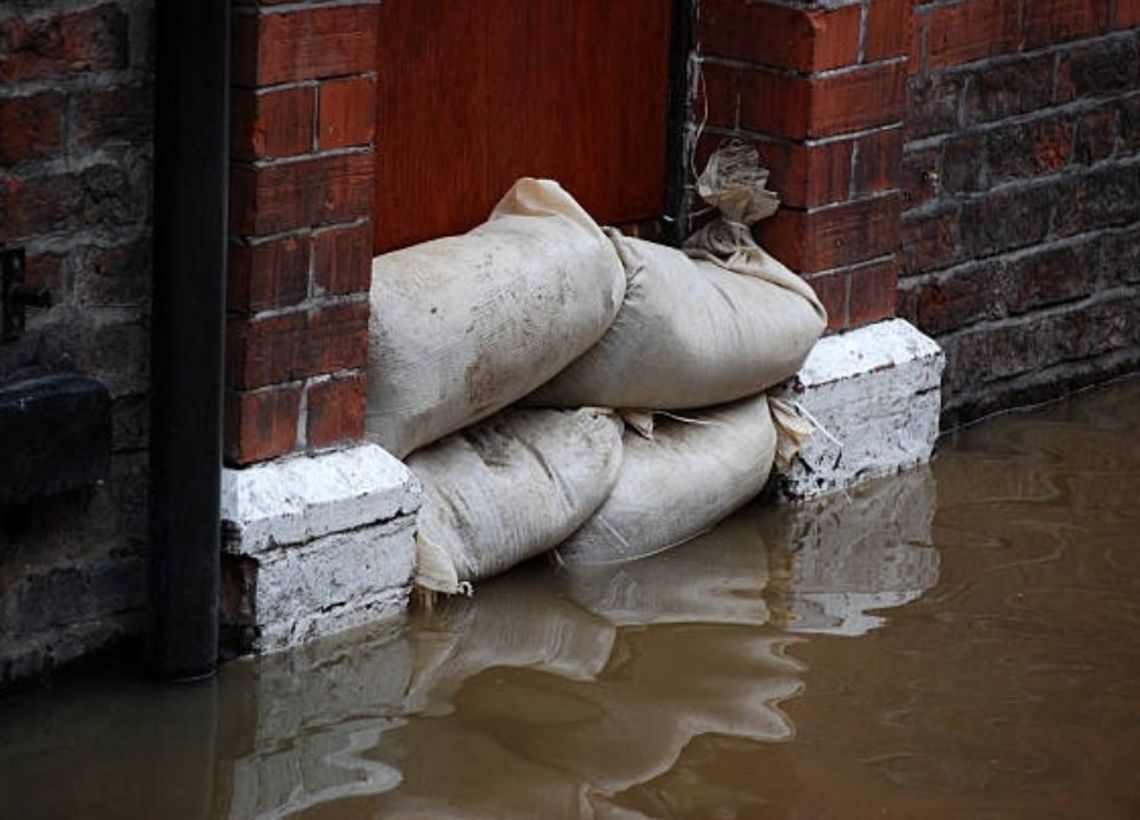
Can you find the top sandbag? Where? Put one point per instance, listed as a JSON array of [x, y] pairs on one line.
[[692, 333], [463, 326]]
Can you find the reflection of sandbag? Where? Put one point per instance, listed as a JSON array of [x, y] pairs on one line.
[[464, 325], [692, 334], [522, 623], [510, 488], [677, 485], [724, 571]]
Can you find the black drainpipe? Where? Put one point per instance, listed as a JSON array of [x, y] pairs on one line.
[[191, 150]]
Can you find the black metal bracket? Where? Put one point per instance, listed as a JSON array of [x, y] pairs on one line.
[[15, 295]]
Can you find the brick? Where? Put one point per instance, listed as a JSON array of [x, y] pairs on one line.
[[30, 128], [1122, 257], [920, 177], [1049, 277], [873, 293], [1095, 136], [796, 107], [342, 260], [304, 45], [1129, 124], [296, 345], [932, 104], [963, 164], [831, 288], [1007, 220], [998, 92], [262, 424], [45, 270], [799, 39], [336, 411], [890, 29], [286, 196], [114, 275], [347, 112], [777, 104], [818, 240], [878, 163], [928, 242], [1055, 21], [962, 298], [717, 101], [864, 98], [267, 275], [1107, 196], [122, 115], [971, 30], [102, 196], [87, 40], [1099, 69], [1025, 150], [272, 123]]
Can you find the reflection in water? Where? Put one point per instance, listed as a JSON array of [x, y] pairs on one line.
[[837, 559], [960, 641]]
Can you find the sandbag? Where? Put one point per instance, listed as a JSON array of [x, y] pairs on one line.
[[463, 326], [510, 488], [680, 483], [692, 333]]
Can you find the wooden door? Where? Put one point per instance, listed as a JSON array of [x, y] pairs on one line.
[[473, 94]]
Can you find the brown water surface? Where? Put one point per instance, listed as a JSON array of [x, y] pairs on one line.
[[961, 641]]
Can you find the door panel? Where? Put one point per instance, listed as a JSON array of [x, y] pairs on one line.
[[475, 93]]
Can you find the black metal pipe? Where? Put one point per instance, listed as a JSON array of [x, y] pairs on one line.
[[676, 157], [191, 149]]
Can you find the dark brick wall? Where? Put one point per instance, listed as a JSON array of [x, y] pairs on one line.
[[75, 179], [1021, 170]]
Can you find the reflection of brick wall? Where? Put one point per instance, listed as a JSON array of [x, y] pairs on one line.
[[820, 92], [75, 180], [1021, 229], [301, 196], [985, 151]]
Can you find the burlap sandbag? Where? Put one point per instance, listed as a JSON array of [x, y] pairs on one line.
[[463, 326], [678, 484], [510, 488], [692, 333]]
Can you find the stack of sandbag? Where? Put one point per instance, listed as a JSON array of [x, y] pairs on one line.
[[463, 326], [719, 322], [540, 303]]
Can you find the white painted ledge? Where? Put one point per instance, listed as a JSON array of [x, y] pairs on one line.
[[876, 392], [327, 543], [298, 498]]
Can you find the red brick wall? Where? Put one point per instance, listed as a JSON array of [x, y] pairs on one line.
[[75, 180], [982, 152], [821, 94], [301, 194], [1021, 228]]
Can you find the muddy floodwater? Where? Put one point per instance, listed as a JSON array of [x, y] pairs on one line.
[[961, 641]]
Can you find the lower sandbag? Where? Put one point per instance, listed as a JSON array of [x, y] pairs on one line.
[[510, 488], [680, 483]]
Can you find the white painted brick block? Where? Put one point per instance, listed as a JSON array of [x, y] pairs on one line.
[[876, 391], [332, 536]]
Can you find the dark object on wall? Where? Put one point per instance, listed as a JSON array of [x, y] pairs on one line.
[[191, 166], [16, 296], [55, 436]]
